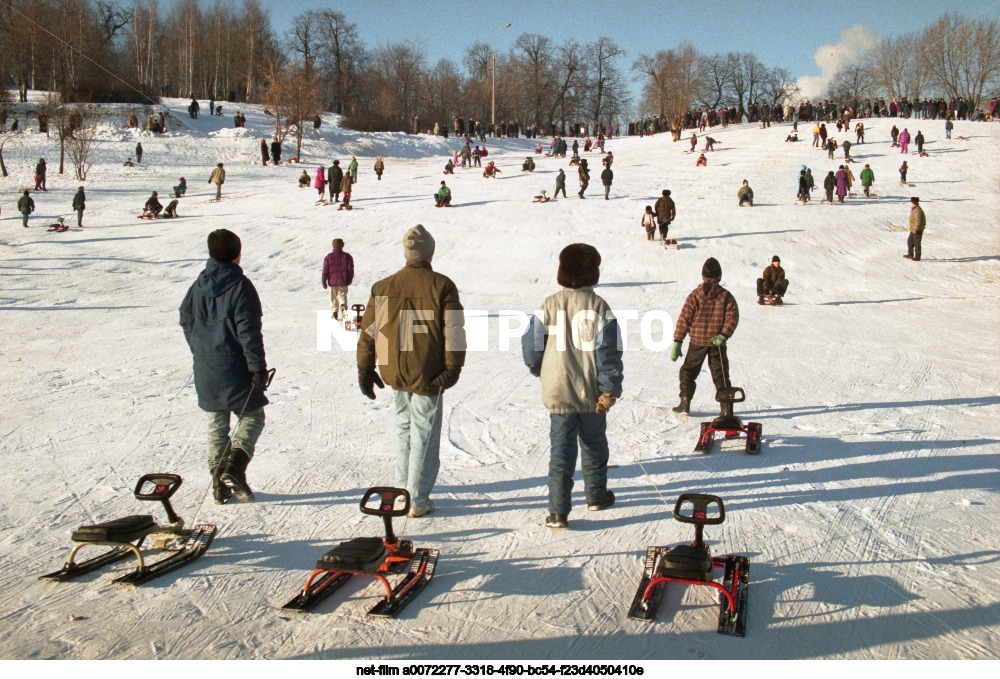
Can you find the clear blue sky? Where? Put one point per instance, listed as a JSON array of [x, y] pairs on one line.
[[781, 32]]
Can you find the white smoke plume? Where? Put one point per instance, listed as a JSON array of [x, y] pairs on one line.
[[854, 43]]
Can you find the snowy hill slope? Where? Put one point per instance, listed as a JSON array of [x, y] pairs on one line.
[[869, 516]]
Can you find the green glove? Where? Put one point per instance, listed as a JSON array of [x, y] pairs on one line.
[[675, 351], [718, 340]]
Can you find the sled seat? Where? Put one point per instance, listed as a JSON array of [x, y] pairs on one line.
[[727, 422], [358, 554], [687, 561], [125, 529]]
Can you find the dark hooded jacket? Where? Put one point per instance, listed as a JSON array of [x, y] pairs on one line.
[[221, 318]]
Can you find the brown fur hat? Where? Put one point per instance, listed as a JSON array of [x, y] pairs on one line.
[[579, 266]]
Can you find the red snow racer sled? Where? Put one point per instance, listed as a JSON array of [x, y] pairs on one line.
[[376, 557], [729, 423], [693, 564]]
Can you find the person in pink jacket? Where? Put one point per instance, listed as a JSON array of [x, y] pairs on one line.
[[320, 182], [904, 140]]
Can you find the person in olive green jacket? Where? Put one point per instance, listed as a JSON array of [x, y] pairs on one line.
[[867, 178], [346, 184], [917, 223], [745, 194], [413, 329]]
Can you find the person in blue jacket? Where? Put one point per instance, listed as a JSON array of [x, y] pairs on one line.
[[221, 318]]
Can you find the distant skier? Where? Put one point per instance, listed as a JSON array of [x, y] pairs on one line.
[[773, 282], [710, 315], [573, 345], [221, 318], [338, 274]]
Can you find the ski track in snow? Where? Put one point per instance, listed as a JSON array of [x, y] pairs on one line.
[[868, 517]]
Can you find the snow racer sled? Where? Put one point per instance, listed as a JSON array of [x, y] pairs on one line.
[[693, 564], [377, 557], [730, 424], [359, 311], [127, 536]]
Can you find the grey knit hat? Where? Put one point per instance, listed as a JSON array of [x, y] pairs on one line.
[[418, 244]]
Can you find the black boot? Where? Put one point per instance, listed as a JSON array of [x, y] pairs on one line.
[[684, 407], [220, 491], [234, 475]]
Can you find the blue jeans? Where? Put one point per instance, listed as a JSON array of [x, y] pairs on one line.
[[591, 428], [418, 444], [245, 434]]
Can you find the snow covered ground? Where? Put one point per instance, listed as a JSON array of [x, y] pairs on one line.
[[869, 517]]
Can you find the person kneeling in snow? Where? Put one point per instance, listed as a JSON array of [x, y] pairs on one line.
[[171, 210], [745, 194], [573, 344], [443, 196]]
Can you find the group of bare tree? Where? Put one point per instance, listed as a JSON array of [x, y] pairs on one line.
[[954, 58], [682, 79]]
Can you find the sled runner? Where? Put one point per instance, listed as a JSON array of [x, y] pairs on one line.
[[729, 423], [669, 243], [377, 557], [59, 226], [129, 535], [693, 564], [770, 300]]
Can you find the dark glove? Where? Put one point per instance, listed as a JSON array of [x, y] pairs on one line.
[[259, 379], [367, 379], [447, 379], [324, 285]]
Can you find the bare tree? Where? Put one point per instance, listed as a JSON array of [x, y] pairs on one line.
[[852, 83], [607, 85], [292, 97], [717, 77], [342, 55], [81, 142], [568, 73], [303, 38], [962, 57], [534, 52]]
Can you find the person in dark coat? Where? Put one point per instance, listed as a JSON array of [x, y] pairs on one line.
[[607, 176], [336, 175], [263, 152], [665, 212], [773, 282], [221, 318], [153, 207], [803, 186], [584, 174], [275, 151], [40, 175], [79, 204], [560, 183], [138, 152], [25, 205], [829, 184]]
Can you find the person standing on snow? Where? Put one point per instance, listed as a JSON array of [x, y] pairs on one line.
[[353, 169], [573, 344], [338, 274], [560, 183], [841, 178], [40, 175], [218, 178], [413, 329], [918, 221], [584, 173], [320, 182], [79, 205], [25, 205], [275, 152], [263, 152], [665, 213], [221, 317], [380, 166], [138, 152], [867, 179], [607, 176], [710, 315], [336, 176], [829, 184]]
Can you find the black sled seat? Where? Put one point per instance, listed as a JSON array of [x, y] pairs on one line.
[[359, 554], [693, 564], [729, 424], [376, 557], [125, 529], [128, 534]]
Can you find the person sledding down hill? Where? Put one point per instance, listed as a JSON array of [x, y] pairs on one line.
[[528, 165], [443, 196], [304, 179], [491, 170], [449, 167]]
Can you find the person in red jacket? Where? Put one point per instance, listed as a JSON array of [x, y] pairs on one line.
[[338, 274], [710, 315]]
